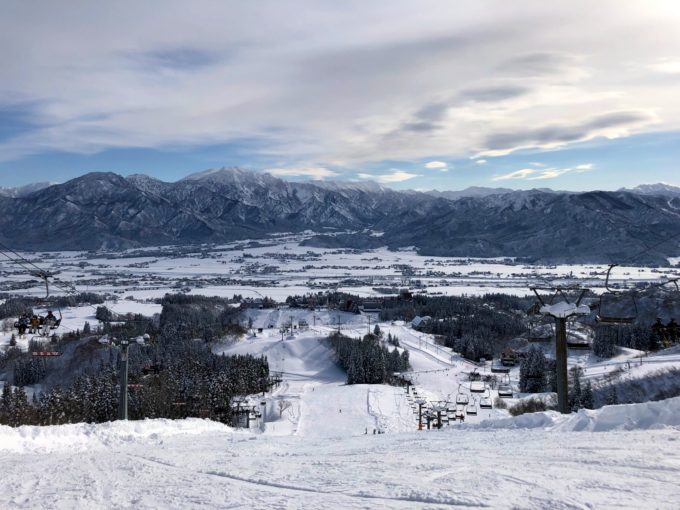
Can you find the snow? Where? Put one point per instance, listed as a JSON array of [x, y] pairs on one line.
[[645, 416], [563, 309], [196, 464], [314, 445], [319, 450], [279, 266]]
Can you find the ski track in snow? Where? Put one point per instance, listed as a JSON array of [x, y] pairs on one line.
[[437, 469]]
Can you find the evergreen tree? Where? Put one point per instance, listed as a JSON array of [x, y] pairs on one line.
[[532, 371], [575, 395], [587, 395], [612, 397], [604, 343]]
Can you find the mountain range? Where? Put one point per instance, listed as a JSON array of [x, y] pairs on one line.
[[106, 210]]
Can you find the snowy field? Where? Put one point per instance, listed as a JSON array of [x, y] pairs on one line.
[[280, 266]]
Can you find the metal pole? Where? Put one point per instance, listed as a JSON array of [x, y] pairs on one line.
[[561, 361], [420, 416], [123, 394]]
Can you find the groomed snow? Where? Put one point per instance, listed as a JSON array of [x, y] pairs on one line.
[[198, 464]]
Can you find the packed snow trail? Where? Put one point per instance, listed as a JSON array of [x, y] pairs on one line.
[[200, 464]]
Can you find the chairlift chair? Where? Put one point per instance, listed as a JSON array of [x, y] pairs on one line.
[[462, 398], [505, 391], [616, 307], [471, 408], [485, 403], [477, 387]]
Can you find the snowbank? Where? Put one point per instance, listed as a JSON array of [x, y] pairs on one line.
[[86, 436], [648, 415]]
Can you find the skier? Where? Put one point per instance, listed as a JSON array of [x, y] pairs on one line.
[[23, 324], [35, 324], [49, 322]]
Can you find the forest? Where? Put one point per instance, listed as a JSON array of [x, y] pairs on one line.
[[175, 375], [368, 360]]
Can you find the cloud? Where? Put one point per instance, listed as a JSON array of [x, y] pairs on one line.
[[493, 93], [549, 173], [540, 63], [444, 82], [315, 173], [426, 119], [395, 176], [531, 174], [481, 161], [612, 124], [517, 174], [666, 66], [438, 165]]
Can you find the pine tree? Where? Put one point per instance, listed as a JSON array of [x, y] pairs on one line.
[[587, 395], [532, 371], [612, 397]]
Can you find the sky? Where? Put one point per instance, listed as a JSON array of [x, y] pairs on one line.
[[573, 95]]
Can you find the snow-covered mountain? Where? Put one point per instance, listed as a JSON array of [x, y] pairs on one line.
[[105, 209], [660, 188], [472, 191], [22, 191]]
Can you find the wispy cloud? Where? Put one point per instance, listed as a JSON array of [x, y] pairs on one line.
[[666, 65], [517, 174], [610, 125], [532, 174], [395, 176], [481, 161], [437, 165], [315, 173]]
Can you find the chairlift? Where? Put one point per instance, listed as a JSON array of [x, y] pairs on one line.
[[471, 409], [485, 403], [462, 398], [505, 391], [477, 387], [505, 387], [616, 307]]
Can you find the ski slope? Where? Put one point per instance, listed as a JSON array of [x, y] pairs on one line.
[[319, 450], [519, 463]]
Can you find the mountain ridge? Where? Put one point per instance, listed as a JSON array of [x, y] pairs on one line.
[[106, 210]]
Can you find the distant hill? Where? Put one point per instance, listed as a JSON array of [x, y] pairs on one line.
[[106, 210]]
